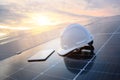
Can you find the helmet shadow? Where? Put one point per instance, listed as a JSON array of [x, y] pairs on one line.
[[76, 60]]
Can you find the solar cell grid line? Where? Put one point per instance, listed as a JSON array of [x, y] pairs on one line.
[[46, 70], [12, 78], [17, 71], [103, 72], [96, 54], [107, 33], [58, 77]]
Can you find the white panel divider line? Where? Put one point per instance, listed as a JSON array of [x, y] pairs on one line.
[[42, 73], [58, 77], [106, 33], [96, 54], [109, 73], [18, 70]]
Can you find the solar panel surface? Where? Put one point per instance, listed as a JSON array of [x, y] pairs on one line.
[[104, 65]]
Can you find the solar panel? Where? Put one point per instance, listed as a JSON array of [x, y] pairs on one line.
[[104, 65]]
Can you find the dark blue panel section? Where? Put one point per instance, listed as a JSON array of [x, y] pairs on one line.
[[96, 75]]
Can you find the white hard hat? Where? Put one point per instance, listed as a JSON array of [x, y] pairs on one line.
[[74, 37]]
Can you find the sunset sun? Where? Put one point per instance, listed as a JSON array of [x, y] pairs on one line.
[[43, 20]]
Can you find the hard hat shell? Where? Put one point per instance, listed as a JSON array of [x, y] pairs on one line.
[[74, 36]]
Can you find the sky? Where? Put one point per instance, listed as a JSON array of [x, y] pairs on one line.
[[38, 13]]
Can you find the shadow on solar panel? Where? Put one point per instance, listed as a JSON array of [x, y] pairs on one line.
[[77, 60]]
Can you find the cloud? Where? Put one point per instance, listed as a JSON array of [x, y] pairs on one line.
[[101, 4], [15, 11], [9, 15]]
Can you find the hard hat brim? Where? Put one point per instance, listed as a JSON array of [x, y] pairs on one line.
[[63, 52]]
